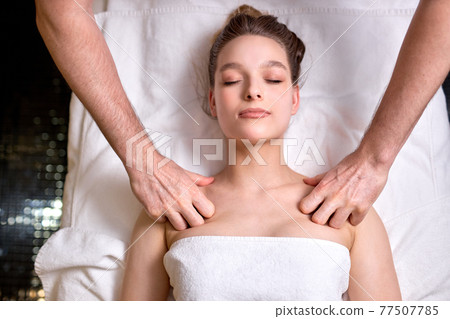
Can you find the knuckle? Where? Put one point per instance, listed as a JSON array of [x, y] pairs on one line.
[[182, 203], [152, 214], [320, 188], [328, 207], [338, 200], [167, 209]]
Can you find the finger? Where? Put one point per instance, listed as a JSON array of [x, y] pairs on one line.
[[191, 216], [339, 218], [203, 205], [357, 217], [324, 212], [313, 181], [204, 180], [311, 202], [177, 220], [200, 180]]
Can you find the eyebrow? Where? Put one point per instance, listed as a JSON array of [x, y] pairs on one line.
[[264, 65]]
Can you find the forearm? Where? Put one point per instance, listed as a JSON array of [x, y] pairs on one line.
[[373, 275], [83, 57], [422, 65]]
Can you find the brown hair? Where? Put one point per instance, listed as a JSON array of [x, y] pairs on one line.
[[246, 20]]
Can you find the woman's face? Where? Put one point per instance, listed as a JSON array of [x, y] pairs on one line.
[[252, 75]]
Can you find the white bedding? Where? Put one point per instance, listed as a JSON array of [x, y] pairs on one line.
[[167, 41]]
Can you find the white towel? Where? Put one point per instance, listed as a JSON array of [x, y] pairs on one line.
[[71, 267], [257, 268]]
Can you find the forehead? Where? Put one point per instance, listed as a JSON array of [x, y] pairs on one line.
[[251, 51]]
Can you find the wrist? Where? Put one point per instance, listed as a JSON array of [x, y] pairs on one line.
[[380, 158], [141, 156]]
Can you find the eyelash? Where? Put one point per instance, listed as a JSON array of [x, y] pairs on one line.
[[270, 81], [230, 82]]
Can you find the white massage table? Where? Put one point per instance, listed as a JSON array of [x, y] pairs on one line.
[[166, 41]]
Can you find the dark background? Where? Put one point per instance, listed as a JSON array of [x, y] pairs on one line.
[[34, 117]]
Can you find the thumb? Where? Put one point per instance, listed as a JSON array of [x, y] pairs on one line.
[[200, 180], [314, 181]]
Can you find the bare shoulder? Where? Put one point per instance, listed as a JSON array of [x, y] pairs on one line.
[[298, 176], [145, 224], [371, 227], [372, 222], [297, 184]]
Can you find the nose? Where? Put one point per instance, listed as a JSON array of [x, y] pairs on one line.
[[253, 92]]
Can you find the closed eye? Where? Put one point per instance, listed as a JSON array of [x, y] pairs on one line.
[[230, 82], [274, 81]]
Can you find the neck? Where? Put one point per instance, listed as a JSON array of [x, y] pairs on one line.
[[252, 166]]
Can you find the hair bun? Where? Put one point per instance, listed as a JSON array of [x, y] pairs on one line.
[[246, 9], [243, 9]]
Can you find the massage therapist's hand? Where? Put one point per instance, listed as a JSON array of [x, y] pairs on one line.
[[422, 65], [172, 192], [73, 49], [347, 190]]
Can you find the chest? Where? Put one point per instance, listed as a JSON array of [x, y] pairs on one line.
[[270, 214]]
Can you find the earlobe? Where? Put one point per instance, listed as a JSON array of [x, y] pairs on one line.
[[212, 103]]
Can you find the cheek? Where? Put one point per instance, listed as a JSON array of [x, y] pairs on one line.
[[283, 102], [283, 111], [226, 101], [226, 95]]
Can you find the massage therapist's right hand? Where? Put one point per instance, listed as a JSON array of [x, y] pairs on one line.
[[172, 192]]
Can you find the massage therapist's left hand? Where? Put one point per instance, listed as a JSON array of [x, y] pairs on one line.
[[347, 190], [422, 65]]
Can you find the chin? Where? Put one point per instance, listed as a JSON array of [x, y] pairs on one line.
[[254, 134], [254, 138]]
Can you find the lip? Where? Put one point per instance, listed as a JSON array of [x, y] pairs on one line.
[[254, 113]]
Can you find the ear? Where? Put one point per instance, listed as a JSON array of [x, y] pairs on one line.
[[295, 99], [212, 103]]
